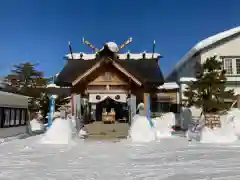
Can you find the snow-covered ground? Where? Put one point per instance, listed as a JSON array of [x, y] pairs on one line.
[[60, 155], [174, 159]]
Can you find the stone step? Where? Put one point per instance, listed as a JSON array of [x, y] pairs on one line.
[[101, 130]]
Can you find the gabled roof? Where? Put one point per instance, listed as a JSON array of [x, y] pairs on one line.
[[145, 70], [144, 67], [205, 44], [99, 64]]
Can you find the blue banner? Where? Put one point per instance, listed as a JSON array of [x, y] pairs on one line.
[[148, 110], [51, 110]]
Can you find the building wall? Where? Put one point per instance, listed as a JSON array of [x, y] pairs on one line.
[[228, 47], [225, 48], [13, 110], [188, 69]]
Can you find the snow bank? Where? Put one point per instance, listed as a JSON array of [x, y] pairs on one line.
[[163, 125], [82, 133], [36, 125], [140, 130], [227, 133], [59, 133], [218, 135], [234, 117]]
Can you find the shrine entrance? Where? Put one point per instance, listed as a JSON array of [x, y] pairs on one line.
[[109, 108]]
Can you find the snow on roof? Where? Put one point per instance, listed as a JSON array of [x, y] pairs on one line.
[[3, 93], [187, 79], [123, 56], [52, 86], [206, 43], [169, 85]]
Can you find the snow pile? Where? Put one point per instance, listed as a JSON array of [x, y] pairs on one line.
[[82, 133], [140, 130], [36, 125], [234, 117], [225, 134], [229, 131], [163, 125], [218, 135], [73, 121], [194, 132], [59, 133]]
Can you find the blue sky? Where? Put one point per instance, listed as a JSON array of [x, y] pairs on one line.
[[39, 30]]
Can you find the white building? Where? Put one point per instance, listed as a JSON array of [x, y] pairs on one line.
[[225, 45]]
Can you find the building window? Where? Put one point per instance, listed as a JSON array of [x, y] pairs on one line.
[[232, 66], [238, 66], [23, 117], [12, 117], [1, 117], [228, 66], [18, 116], [7, 117]]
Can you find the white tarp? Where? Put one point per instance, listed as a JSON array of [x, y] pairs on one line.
[[96, 98]]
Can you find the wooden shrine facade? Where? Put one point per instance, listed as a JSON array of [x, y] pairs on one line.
[[109, 74]]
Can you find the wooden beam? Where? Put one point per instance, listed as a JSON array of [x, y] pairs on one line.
[[73, 104], [238, 101], [89, 71], [126, 73], [146, 101]]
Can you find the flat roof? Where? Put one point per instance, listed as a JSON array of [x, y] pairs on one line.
[[13, 100]]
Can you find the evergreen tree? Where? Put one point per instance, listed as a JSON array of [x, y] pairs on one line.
[[208, 91], [44, 103], [24, 76], [26, 80]]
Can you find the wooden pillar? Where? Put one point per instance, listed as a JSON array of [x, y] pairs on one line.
[[146, 101], [238, 101], [78, 105], [78, 111], [73, 104]]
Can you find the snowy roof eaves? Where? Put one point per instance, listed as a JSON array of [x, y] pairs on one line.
[[204, 44], [3, 93], [123, 56], [169, 85]]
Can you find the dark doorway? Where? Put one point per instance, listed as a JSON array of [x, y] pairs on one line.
[[108, 105]]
